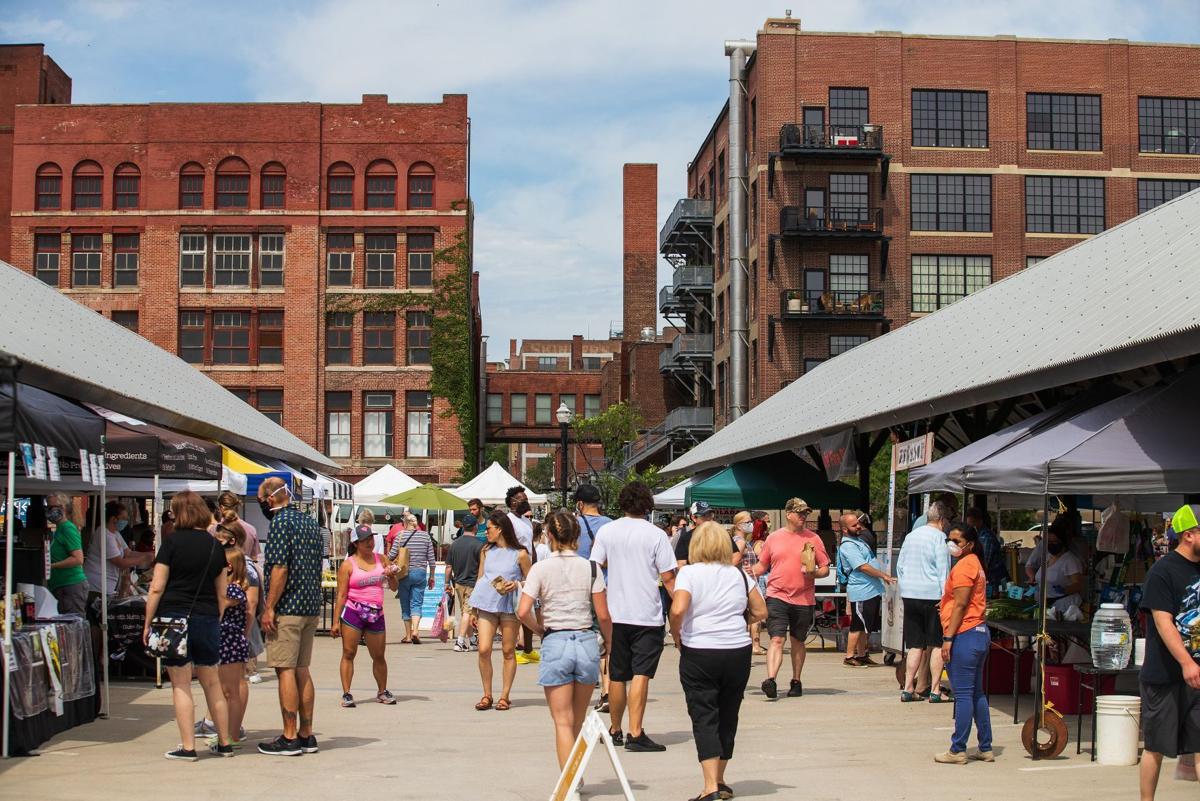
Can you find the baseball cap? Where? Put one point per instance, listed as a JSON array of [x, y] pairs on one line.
[[363, 532], [469, 521], [587, 493], [1188, 517], [700, 508], [797, 505]]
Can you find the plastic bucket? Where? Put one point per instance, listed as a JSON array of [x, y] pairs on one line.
[[1118, 719]]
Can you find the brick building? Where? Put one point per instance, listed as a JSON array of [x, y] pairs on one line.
[[890, 174], [285, 249]]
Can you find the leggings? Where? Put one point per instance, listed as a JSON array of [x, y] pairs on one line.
[[714, 681]]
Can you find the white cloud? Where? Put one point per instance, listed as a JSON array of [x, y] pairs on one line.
[[29, 28]]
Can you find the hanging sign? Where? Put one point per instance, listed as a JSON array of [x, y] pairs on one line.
[[85, 467], [912, 453], [27, 459], [52, 464], [837, 455], [96, 463], [593, 733], [39, 462]]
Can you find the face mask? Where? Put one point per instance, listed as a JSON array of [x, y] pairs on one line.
[[54, 515], [1055, 548], [265, 504], [746, 527], [955, 549], [122, 525]]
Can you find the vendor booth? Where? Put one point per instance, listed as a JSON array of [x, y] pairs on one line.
[[768, 482], [387, 480], [675, 496], [491, 485]]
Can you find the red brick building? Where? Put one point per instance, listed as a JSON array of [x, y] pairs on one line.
[[890, 174], [286, 249]]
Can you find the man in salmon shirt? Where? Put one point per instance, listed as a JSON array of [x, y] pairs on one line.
[[790, 596]]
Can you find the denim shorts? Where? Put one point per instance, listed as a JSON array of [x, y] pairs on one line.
[[569, 656], [204, 643]]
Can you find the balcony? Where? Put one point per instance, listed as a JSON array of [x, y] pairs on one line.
[[798, 304], [693, 278], [687, 292], [685, 352], [688, 231], [852, 222], [681, 427], [831, 141]]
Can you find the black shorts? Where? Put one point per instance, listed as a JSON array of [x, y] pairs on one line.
[[922, 624], [204, 643], [634, 651], [1171, 719], [783, 617], [867, 615]]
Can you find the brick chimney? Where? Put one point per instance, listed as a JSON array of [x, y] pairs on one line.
[[640, 252], [577, 352], [512, 355]]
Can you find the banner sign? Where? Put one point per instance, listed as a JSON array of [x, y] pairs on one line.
[[838, 456]]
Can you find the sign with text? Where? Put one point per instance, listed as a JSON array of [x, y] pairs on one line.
[[912, 453], [837, 455], [593, 732]]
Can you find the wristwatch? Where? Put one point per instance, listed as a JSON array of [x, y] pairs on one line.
[[947, 639]]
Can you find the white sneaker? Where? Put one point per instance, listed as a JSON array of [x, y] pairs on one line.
[[255, 678], [205, 727], [460, 646]]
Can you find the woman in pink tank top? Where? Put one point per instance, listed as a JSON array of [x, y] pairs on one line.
[[359, 609]]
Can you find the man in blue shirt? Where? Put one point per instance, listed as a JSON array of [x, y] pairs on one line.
[[864, 580], [587, 503]]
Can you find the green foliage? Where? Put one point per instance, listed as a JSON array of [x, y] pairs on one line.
[[612, 428], [540, 477], [495, 452], [881, 469]]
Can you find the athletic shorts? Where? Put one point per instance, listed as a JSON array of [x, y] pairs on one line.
[[784, 618], [355, 619], [866, 615], [922, 624], [1171, 719], [291, 645], [635, 651]]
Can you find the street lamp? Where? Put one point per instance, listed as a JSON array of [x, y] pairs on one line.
[[564, 419]]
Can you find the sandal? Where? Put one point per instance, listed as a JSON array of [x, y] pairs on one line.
[[503, 705], [725, 791], [759, 652], [485, 703], [415, 640], [907, 697], [406, 641], [940, 699]]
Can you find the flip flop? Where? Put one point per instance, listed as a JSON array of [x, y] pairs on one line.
[[485, 703], [503, 705]]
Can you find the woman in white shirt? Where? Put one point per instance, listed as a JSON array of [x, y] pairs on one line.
[[1064, 576], [713, 601]]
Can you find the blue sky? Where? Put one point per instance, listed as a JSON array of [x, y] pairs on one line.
[[561, 95]]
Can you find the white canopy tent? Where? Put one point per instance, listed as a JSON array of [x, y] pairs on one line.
[[674, 497], [387, 480], [491, 485]]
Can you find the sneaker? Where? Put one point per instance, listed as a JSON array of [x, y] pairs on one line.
[[602, 704], [523, 658], [867, 661], [309, 744], [182, 754], [534, 656], [951, 758], [474, 642], [255, 678], [348, 701], [205, 728], [215, 747], [770, 689], [460, 646], [618, 739], [642, 743], [386, 698], [281, 746], [983, 756], [795, 689]]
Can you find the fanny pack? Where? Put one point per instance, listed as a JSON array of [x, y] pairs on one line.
[[367, 613]]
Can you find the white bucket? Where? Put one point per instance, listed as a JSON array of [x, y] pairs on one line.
[[1117, 725]]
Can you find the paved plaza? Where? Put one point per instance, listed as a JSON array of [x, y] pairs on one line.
[[847, 738]]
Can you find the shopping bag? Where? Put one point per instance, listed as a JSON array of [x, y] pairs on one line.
[[1113, 536], [439, 621]]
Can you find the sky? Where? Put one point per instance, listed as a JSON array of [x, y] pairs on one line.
[[561, 94]]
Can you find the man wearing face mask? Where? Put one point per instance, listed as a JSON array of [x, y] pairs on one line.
[[922, 568], [120, 556]]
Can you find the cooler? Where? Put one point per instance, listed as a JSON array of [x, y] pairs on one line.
[[1062, 689], [1000, 672]]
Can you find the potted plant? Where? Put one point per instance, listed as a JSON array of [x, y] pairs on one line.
[[795, 301]]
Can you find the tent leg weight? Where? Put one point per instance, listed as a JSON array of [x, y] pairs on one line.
[[1053, 736]]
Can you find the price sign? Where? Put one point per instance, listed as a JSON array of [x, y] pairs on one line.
[[912, 453]]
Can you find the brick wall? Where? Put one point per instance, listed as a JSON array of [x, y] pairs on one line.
[[640, 249]]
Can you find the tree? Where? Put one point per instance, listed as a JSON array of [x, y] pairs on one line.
[[612, 428], [540, 477]]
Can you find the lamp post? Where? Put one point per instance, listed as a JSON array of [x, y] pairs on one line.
[[564, 419]]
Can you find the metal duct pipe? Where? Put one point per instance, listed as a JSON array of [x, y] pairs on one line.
[[739, 274]]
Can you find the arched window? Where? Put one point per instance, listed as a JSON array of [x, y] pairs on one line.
[[191, 186], [87, 186], [340, 186], [420, 186], [233, 184], [126, 186], [48, 195], [273, 186], [381, 185]]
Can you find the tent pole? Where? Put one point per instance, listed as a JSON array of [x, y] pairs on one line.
[[157, 523], [1040, 673], [104, 567], [8, 582]]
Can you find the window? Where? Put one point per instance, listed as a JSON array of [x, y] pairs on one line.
[[337, 424], [270, 337], [569, 402], [949, 119], [126, 319], [951, 202], [420, 259], [191, 186], [192, 250], [547, 363], [592, 362], [809, 364], [420, 187], [126, 187], [848, 197], [722, 187], [419, 408], [231, 260], [379, 338], [87, 186], [339, 259], [839, 344], [517, 407], [233, 184], [125, 259], [381, 260], [381, 185], [377, 424], [49, 188], [270, 403], [419, 334], [191, 336], [848, 110], [1032, 260], [1062, 122], [1169, 125], [542, 409], [495, 407], [938, 281], [341, 186], [273, 186], [85, 260], [591, 406], [270, 260], [848, 277], [242, 394], [1153, 193], [47, 252], [339, 333], [231, 338], [1064, 205]]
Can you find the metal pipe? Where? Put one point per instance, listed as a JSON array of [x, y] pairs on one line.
[[8, 581], [739, 275], [104, 568]]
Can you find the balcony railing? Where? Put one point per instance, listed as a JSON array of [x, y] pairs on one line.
[[799, 304], [837, 221], [688, 213], [862, 140], [692, 345], [688, 418], [689, 277], [682, 423]]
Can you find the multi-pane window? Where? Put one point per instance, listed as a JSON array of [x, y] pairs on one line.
[[848, 276], [419, 411], [517, 409], [381, 260], [1154, 192], [337, 424], [938, 281], [125, 259], [420, 187], [270, 260], [809, 365], [547, 363], [87, 186], [591, 406], [126, 319], [419, 334], [1062, 122], [339, 334], [949, 118], [231, 337], [273, 187], [848, 110], [1064, 205], [270, 337], [848, 197], [47, 252], [379, 338], [1169, 125], [951, 202], [420, 259], [341, 187], [49, 188], [191, 187], [192, 250], [233, 190], [339, 259], [542, 409], [839, 343], [569, 402], [126, 187], [595, 362], [270, 403], [231, 260], [191, 336], [1032, 260], [85, 260], [495, 407], [377, 424], [381, 187]]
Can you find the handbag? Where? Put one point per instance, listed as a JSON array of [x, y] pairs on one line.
[[439, 621], [168, 637], [400, 559]]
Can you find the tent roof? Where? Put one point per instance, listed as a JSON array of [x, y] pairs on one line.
[[674, 497], [492, 484], [66, 347], [769, 482], [1133, 292], [387, 480]]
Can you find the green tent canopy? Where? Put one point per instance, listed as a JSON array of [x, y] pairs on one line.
[[769, 481]]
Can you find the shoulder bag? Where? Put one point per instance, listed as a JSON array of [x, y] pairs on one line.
[[400, 559], [169, 634]]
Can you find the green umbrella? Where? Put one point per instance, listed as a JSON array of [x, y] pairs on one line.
[[426, 496]]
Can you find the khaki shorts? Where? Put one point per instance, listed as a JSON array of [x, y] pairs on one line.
[[462, 601], [292, 643], [496, 618]]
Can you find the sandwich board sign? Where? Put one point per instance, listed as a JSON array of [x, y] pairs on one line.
[[593, 733]]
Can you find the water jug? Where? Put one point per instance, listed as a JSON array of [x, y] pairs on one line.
[[1112, 637]]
